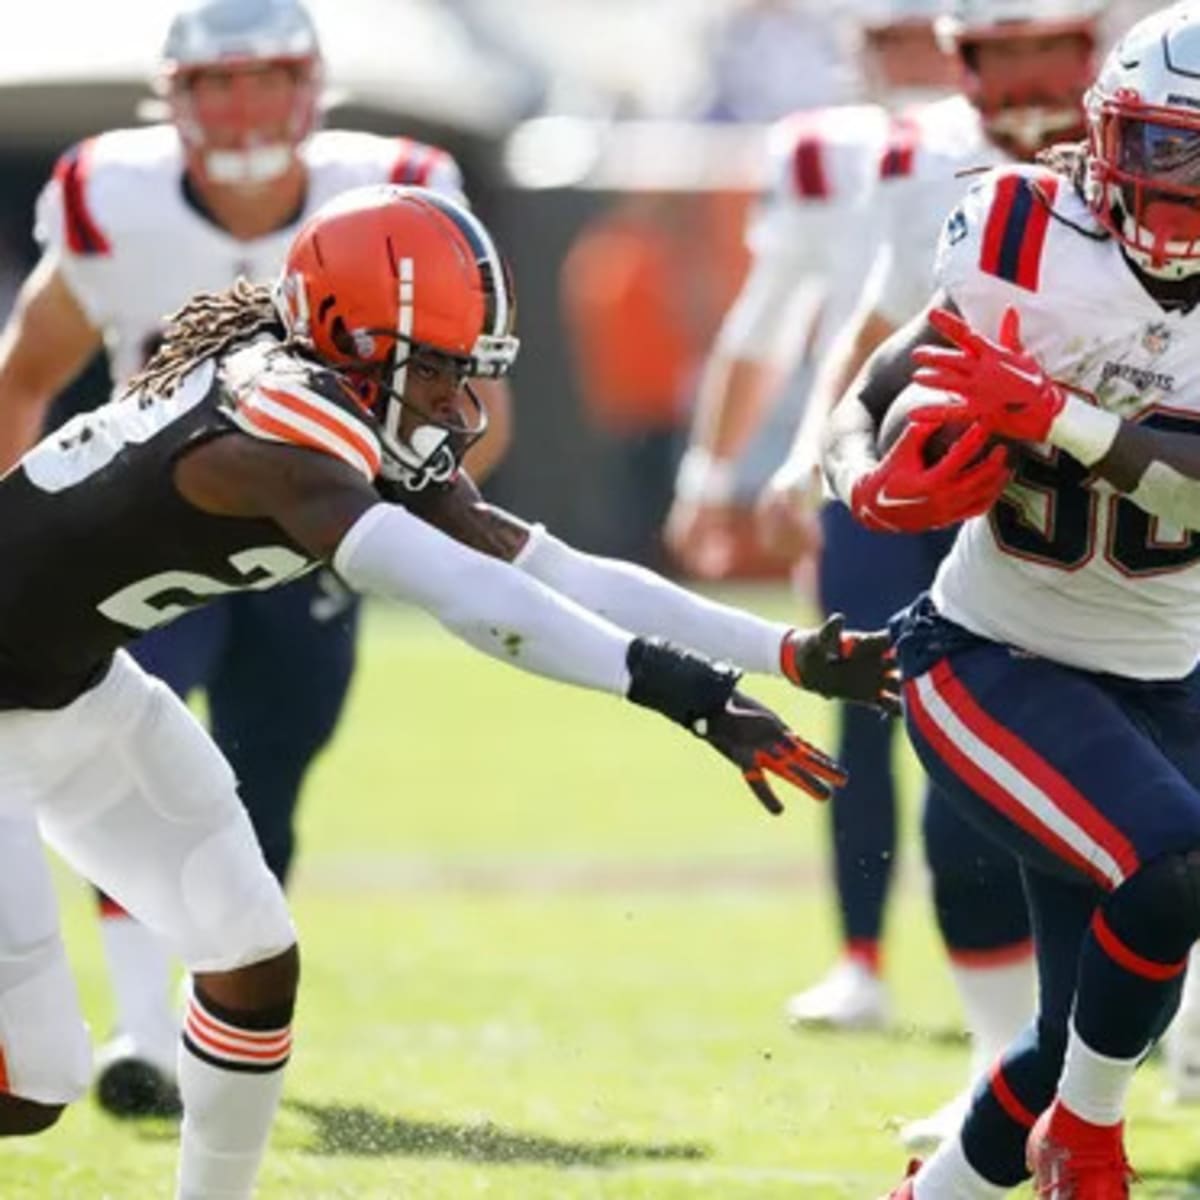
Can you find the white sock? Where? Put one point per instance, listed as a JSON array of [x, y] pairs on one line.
[[1094, 1086], [230, 1080], [140, 971], [949, 1176], [997, 1004], [1188, 1017]]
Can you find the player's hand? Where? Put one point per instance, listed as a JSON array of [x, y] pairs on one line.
[[860, 667], [1002, 385], [702, 696], [759, 744], [904, 495], [786, 515], [701, 538]]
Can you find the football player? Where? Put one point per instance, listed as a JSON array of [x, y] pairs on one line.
[[323, 422], [1050, 673], [134, 222], [1021, 67]]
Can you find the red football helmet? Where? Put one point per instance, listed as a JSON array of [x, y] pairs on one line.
[[1025, 66], [242, 79], [383, 273], [1144, 143]]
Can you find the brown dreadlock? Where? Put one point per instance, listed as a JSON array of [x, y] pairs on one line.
[[205, 326], [1068, 159]]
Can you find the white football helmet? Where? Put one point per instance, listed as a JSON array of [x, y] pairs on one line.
[[1143, 166], [236, 135], [1019, 111]]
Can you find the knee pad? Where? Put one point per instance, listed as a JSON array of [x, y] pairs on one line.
[[47, 1055], [235, 905], [1156, 911]]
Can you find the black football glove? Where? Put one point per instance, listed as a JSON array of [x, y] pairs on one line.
[[702, 696], [844, 666]]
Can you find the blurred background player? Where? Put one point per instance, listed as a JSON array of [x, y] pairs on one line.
[[133, 223], [1022, 67]]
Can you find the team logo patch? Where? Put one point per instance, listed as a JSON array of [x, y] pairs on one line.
[[956, 227], [1156, 337]]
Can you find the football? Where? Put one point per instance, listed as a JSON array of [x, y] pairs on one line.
[[896, 420]]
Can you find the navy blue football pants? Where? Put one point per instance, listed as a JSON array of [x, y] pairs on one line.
[[276, 667], [1093, 781], [869, 577]]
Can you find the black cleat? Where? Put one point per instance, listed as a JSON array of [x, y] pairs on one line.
[[129, 1087]]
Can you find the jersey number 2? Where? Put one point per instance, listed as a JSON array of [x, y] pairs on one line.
[[169, 594], [1065, 536]]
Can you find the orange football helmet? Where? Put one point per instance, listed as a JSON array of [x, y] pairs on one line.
[[385, 272]]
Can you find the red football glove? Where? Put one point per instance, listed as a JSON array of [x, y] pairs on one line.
[[903, 495], [1001, 383]]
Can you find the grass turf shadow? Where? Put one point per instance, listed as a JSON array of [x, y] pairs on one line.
[[343, 1129]]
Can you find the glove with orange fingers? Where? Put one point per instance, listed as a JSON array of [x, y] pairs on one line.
[[905, 494], [854, 666], [702, 696], [1002, 385]]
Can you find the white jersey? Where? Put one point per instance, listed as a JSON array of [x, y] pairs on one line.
[[810, 238], [133, 248], [929, 149], [1063, 566]]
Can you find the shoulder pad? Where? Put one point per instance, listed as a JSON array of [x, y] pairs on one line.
[[80, 229], [1000, 229], [350, 157], [826, 154], [272, 395], [899, 148], [105, 185], [424, 166]]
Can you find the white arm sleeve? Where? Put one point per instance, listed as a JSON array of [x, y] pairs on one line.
[[486, 602], [648, 605]]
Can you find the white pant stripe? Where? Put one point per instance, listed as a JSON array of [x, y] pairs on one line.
[[1040, 807]]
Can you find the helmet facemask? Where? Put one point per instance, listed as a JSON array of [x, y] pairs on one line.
[[1025, 110], [1144, 183], [242, 123], [424, 441]]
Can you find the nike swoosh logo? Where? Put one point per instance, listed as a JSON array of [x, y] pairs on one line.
[[886, 501]]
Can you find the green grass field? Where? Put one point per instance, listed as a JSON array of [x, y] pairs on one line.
[[547, 939]]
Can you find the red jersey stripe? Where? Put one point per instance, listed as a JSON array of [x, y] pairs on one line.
[[84, 235], [808, 168]]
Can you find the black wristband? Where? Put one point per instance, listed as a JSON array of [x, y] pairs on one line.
[[677, 683]]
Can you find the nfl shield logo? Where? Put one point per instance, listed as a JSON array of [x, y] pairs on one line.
[[1156, 337]]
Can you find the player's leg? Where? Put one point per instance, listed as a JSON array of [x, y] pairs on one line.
[[864, 575], [135, 1069], [1066, 768], [276, 695], [45, 1059], [986, 1157], [155, 820], [984, 921]]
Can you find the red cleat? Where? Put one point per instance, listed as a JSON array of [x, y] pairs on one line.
[[1072, 1159], [906, 1191]]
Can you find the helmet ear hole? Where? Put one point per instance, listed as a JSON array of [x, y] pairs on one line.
[[339, 335]]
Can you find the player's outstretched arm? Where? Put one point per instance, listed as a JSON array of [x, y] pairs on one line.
[[829, 661], [330, 511]]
